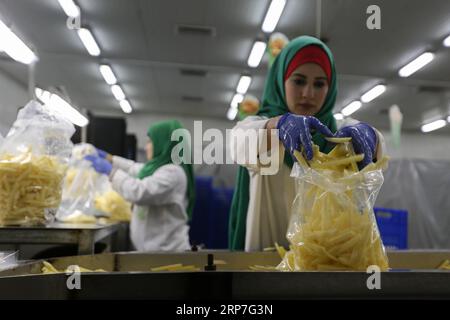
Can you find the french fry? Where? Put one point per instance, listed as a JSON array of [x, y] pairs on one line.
[[262, 268], [175, 267], [338, 140], [445, 265], [281, 250], [340, 162], [48, 268]]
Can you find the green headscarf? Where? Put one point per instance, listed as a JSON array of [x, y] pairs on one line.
[[274, 104], [160, 133]]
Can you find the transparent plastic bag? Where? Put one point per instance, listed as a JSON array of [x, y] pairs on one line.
[[33, 162], [82, 150], [79, 191], [80, 187], [8, 259], [113, 204], [87, 194], [110, 202], [333, 225]]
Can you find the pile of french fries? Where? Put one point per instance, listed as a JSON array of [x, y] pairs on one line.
[[48, 268], [113, 203], [30, 186]]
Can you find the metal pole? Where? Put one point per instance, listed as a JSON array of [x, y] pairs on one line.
[[31, 80], [318, 18], [84, 129]]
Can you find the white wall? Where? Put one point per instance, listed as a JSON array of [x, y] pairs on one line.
[[420, 146], [224, 174], [138, 124], [12, 96]]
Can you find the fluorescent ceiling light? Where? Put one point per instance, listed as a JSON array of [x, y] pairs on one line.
[[350, 108], [125, 105], [89, 42], [118, 92], [447, 41], [433, 125], [416, 64], [231, 114], [273, 15], [61, 107], [448, 118], [373, 93], [70, 8], [14, 46], [38, 92], [42, 95], [237, 98], [108, 74], [338, 116], [244, 83], [258, 49]]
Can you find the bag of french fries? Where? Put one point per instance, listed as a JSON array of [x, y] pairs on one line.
[[87, 194], [33, 162], [333, 225], [79, 191], [81, 184]]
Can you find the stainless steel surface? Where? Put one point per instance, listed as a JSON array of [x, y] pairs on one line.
[[84, 235], [129, 276]]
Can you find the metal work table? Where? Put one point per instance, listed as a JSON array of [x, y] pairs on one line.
[[83, 235], [128, 276]]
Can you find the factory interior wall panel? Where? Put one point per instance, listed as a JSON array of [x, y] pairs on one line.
[[419, 146], [138, 124], [108, 133], [420, 186], [13, 96]]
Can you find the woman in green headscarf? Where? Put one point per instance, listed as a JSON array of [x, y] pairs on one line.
[[162, 191], [297, 107]]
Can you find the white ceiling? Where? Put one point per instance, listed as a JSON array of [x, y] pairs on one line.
[[138, 39]]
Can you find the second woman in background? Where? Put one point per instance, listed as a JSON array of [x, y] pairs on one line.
[[162, 192]]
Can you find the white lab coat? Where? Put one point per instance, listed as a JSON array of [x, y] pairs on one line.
[[159, 219], [271, 196]]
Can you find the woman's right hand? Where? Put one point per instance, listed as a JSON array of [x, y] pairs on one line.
[[104, 155], [295, 131], [101, 153], [100, 165]]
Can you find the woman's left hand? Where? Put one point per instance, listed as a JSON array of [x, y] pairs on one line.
[[364, 140]]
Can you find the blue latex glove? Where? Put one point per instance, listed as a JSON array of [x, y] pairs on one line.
[[100, 165], [102, 154], [295, 131], [364, 140]]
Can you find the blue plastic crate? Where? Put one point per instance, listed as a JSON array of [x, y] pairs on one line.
[[209, 224], [199, 224], [393, 226]]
